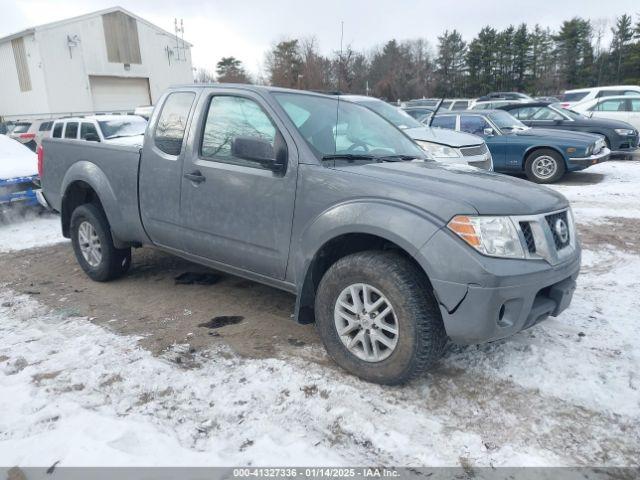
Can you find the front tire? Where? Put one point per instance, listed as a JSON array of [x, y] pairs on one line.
[[544, 166], [93, 245], [378, 318]]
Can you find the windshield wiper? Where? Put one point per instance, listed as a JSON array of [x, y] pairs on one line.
[[362, 156]]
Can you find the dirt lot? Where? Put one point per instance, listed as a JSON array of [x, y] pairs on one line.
[[149, 302]]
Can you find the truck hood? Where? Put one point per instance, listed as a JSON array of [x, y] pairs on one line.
[[443, 136], [556, 135], [485, 192]]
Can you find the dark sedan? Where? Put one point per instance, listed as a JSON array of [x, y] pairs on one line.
[[621, 137]]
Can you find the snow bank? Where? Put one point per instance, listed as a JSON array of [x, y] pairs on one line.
[[29, 230], [16, 160]]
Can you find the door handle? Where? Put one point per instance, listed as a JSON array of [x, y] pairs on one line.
[[195, 177]]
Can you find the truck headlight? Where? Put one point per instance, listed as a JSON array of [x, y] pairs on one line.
[[493, 236], [624, 131], [438, 151]]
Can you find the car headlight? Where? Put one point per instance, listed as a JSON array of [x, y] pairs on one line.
[[437, 150], [590, 150], [624, 131], [493, 236]]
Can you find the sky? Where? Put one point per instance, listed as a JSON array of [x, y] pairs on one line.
[[246, 29]]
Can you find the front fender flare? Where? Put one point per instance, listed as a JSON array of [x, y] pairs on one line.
[[404, 225]]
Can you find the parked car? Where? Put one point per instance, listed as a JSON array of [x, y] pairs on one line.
[[622, 108], [491, 104], [443, 146], [547, 99], [144, 111], [619, 136], [422, 102], [544, 155], [120, 129], [455, 104], [30, 132], [578, 95], [18, 174], [387, 251], [421, 114]]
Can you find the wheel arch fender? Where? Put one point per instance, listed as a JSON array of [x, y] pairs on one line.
[[85, 174], [352, 227]]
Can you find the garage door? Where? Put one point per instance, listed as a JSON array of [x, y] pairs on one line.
[[117, 93]]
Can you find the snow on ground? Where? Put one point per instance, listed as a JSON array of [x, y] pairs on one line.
[[562, 393], [28, 230]]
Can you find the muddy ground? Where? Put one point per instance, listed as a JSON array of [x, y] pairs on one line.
[[253, 319]]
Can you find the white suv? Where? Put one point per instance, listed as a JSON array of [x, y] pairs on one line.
[[119, 129], [580, 95]]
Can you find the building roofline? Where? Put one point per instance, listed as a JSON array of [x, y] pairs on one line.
[[46, 26]]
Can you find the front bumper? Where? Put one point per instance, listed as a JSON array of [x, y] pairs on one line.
[[483, 299], [579, 163]]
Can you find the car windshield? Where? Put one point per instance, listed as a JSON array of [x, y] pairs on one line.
[[127, 126], [395, 115], [506, 121], [573, 114], [337, 128]]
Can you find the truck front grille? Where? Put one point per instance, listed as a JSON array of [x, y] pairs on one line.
[[559, 227], [474, 151], [528, 236]]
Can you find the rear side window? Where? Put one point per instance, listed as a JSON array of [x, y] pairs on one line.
[[473, 124], [57, 130], [72, 130], [612, 106], [448, 121], [635, 105], [172, 123]]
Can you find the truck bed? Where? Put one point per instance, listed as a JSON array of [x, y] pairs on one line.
[[111, 170]]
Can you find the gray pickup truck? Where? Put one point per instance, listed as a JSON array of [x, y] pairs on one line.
[[390, 253]]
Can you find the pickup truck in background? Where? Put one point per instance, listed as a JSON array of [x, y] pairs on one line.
[[388, 252]]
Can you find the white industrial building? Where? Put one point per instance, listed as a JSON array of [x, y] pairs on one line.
[[106, 61]]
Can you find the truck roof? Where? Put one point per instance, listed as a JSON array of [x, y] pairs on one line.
[[249, 87]]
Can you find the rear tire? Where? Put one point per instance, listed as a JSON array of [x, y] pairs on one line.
[[544, 166], [420, 336], [93, 245]]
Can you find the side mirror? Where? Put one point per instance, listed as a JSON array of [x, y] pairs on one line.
[[488, 132], [260, 151], [91, 137]]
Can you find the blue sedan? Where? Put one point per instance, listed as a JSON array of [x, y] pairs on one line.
[[544, 155]]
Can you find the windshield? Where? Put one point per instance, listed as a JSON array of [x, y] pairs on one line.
[[573, 114], [398, 117], [506, 121], [127, 126], [337, 127]]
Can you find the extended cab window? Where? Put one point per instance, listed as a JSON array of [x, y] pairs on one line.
[[231, 117], [448, 121], [57, 130], [473, 124], [72, 130], [172, 123]]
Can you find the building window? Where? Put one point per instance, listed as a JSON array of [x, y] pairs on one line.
[[22, 67], [121, 37]]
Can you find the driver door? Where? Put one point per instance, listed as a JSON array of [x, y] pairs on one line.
[[236, 211]]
